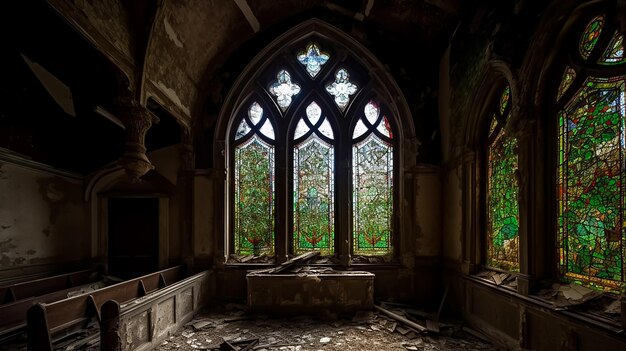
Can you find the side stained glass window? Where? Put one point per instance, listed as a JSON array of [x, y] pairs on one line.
[[591, 201], [313, 182], [254, 184], [591, 150], [372, 183], [502, 191]]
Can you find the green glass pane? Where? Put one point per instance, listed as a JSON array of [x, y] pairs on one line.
[[590, 36], [493, 125], [502, 204], [254, 198], [314, 198], [566, 81], [591, 153], [504, 99], [372, 196], [614, 53]]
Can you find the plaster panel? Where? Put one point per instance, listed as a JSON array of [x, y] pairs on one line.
[[428, 213], [137, 331], [496, 311], [452, 216], [42, 218], [203, 222], [185, 302], [166, 315]]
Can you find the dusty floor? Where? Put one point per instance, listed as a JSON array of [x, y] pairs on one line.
[[365, 331]]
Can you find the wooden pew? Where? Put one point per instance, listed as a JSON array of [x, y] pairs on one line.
[[44, 320], [20, 297], [43, 286]]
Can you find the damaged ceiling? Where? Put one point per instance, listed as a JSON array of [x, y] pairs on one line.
[[179, 58]]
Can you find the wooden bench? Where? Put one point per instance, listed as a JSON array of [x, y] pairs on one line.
[[43, 286], [18, 298], [153, 293]]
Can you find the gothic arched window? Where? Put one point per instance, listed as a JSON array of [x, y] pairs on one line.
[[312, 157], [502, 189], [591, 114]]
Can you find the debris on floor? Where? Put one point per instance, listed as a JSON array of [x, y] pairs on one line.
[[500, 279], [604, 307], [262, 258], [219, 329]]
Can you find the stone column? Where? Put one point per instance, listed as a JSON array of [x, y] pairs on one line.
[[137, 120]]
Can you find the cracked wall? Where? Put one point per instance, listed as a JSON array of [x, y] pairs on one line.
[[42, 218]]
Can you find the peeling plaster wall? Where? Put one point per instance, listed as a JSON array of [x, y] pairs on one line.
[[107, 17], [463, 68], [186, 41], [42, 218]]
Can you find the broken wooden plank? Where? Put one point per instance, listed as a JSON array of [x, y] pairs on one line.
[[241, 345], [298, 259], [401, 319]]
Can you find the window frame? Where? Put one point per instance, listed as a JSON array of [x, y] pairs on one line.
[[584, 68], [373, 82]]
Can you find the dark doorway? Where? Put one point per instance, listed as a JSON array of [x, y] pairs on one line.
[[133, 236]]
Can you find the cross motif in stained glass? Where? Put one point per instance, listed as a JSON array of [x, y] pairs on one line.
[[590, 36], [284, 89], [313, 59], [614, 53], [566, 81], [342, 88]]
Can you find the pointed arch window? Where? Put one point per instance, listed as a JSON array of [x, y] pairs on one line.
[[254, 167], [311, 141], [372, 183], [590, 115], [502, 189]]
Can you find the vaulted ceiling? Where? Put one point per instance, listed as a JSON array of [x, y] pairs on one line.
[[179, 58]]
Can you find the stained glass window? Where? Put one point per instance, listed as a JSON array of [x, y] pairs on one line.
[[284, 89], [254, 185], [313, 181], [566, 81], [614, 53], [591, 200], [372, 189], [294, 152], [590, 36], [502, 192], [342, 88], [313, 59]]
